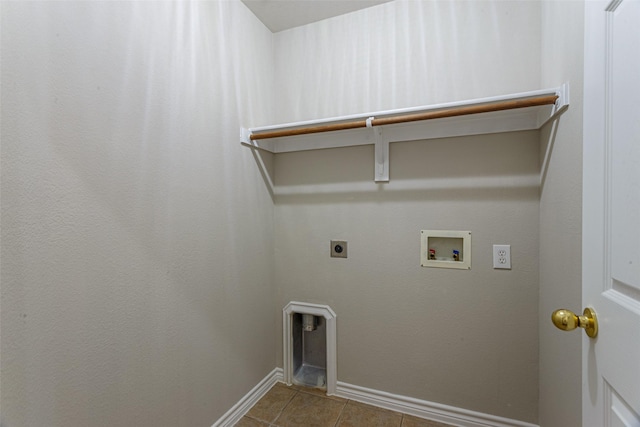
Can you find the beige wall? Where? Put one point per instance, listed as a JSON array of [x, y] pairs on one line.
[[454, 337], [561, 217], [136, 233], [406, 53]]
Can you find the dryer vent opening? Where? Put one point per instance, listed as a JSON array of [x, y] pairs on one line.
[[309, 351], [309, 332]]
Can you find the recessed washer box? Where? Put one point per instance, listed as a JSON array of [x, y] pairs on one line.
[[445, 249]]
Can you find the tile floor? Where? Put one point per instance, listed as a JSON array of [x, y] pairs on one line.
[[295, 406]]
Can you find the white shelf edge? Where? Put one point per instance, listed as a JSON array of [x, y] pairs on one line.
[[528, 118], [478, 101]]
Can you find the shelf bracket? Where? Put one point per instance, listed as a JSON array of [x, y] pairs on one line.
[[245, 136], [382, 155], [561, 104], [245, 139], [563, 98]]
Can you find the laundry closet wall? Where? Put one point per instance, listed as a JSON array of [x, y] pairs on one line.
[[449, 336], [136, 232], [561, 217]]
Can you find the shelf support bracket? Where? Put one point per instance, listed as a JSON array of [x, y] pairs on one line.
[[245, 136], [245, 139], [563, 98], [382, 155]]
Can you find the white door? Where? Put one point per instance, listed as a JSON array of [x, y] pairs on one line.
[[611, 213]]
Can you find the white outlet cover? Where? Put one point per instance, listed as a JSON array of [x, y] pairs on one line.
[[502, 257]]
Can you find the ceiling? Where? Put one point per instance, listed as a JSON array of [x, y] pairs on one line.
[[280, 15]]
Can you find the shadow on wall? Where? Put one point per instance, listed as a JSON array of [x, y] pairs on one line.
[[548, 139], [481, 167]]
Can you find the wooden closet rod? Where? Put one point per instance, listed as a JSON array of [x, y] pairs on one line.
[[413, 117]]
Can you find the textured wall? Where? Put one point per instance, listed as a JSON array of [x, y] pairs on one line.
[[450, 336], [136, 232], [561, 218], [404, 54]]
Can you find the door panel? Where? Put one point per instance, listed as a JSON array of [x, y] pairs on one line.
[[611, 213], [619, 414], [624, 65]]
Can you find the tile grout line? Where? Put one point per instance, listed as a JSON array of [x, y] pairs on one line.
[[273, 423], [284, 407], [341, 412], [346, 402]]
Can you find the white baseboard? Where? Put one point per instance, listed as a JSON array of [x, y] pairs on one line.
[[394, 402], [233, 415], [424, 409]]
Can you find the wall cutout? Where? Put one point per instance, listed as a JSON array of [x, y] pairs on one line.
[[329, 319], [445, 249]]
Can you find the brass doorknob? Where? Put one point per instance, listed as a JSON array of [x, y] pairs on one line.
[[567, 320]]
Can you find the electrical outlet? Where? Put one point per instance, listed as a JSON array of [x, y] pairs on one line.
[[502, 257]]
